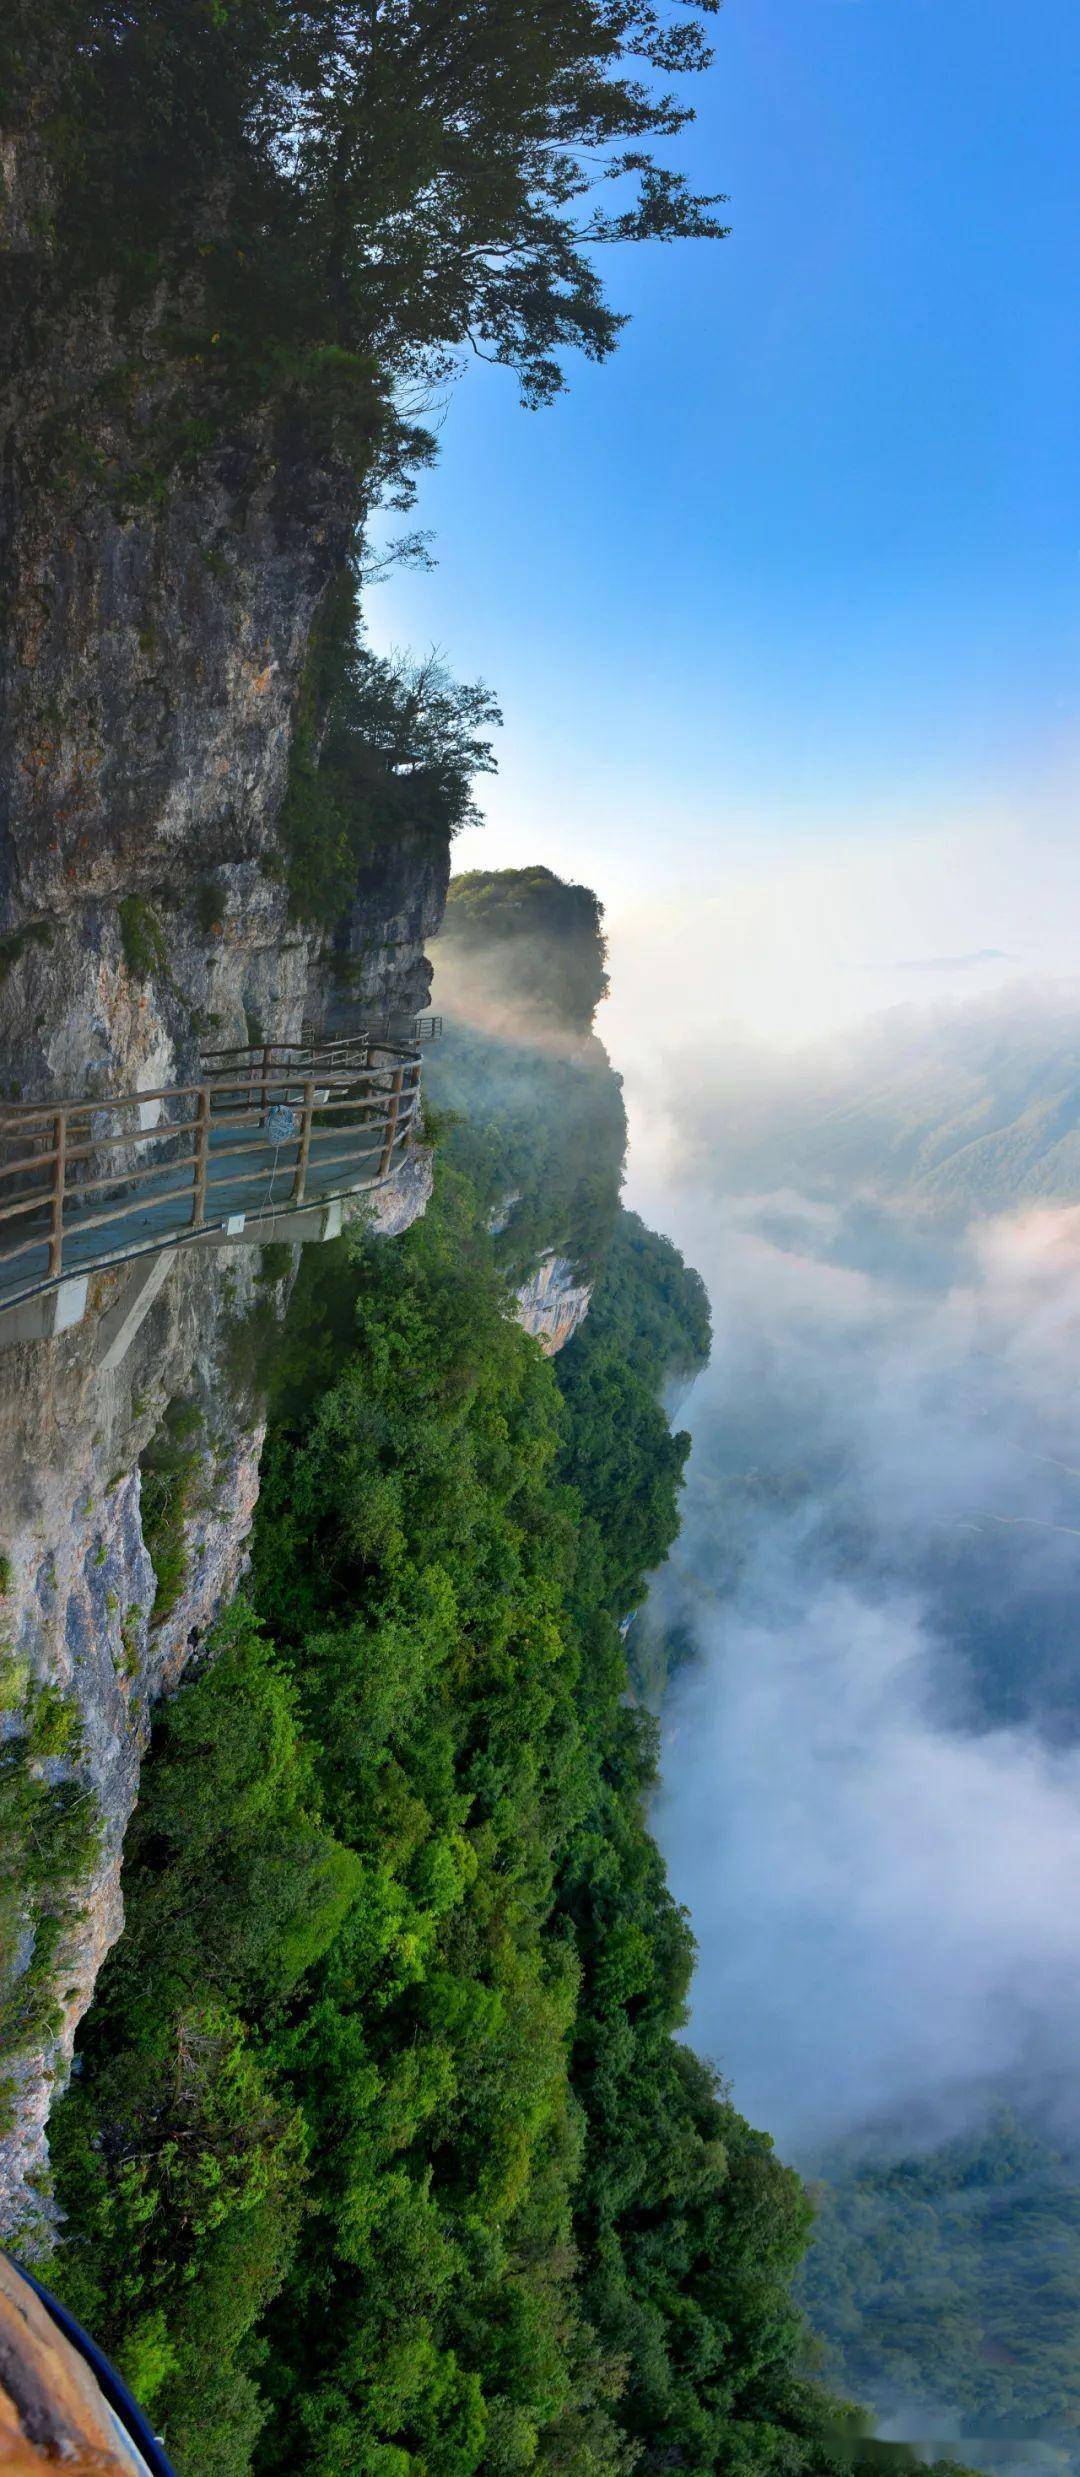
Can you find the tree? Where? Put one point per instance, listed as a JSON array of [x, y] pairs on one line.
[[381, 750], [530, 943], [360, 187]]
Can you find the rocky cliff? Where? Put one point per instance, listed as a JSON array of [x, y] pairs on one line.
[[553, 1302], [162, 566]]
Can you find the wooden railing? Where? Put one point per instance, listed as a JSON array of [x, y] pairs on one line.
[[87, 1182], [341, 1049]]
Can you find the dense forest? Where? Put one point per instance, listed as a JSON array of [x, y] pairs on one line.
[[383, 2152], [535, 1113], [954, 2274]]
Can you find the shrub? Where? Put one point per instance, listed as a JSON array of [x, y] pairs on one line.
[[142, 938], [210, 905], [169, 1470]]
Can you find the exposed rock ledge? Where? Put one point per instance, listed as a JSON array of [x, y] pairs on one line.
[[552, 1304]]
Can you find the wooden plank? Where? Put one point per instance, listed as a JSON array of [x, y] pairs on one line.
[[34, 1203]]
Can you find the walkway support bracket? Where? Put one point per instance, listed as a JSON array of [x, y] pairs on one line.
[[122, 1321]]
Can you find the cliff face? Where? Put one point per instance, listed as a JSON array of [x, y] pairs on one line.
[[160, 578], [551, 1304], [152, 663]]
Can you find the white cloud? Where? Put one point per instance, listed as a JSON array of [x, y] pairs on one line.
[[871, 1793]]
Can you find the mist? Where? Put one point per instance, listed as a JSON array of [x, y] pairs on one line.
[[871, 1771]]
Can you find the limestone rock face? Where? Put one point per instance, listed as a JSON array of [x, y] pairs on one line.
[[552, 1304], [81, 1586], [158, 601], [393, 1207], [152, 662], [164, 558]]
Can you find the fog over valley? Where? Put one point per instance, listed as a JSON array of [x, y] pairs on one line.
[[865, 1647], [871, 1786]]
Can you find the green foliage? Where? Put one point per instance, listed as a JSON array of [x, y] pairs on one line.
[[130, 1629], [184, 2212], [6, 1572], [142, 938], [169, 1469], [530, 942], [650, 1306], [210, 905], [14, 1679], [535, 1116], [648, 1323], [380, 751], [955, 2274], [49, 1839], [355, 190], [275, 1261], [51, 1723], [384, 2155], [622, 1457], [18, 942]]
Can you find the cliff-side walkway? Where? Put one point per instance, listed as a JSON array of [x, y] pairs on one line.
[[265, 1132]]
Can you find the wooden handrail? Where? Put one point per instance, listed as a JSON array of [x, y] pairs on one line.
[[22, 1112], [218, 1157], [395, 1032]]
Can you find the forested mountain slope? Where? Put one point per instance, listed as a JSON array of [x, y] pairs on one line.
[[241, 249], [384, 2153], [539, 1123], [958, 1109], [954, 2274]]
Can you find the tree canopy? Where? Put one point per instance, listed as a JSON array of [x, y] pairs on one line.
[[393, 182], [529, 944], [953, 2274], [381, 750], [385, 2157]]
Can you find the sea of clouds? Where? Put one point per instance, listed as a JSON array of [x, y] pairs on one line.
[[871, 1781]]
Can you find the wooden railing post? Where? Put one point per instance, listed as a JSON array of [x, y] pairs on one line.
[[202, 1153], [392, 1121], [300, 1181], [56, 1240], [266, 1071]]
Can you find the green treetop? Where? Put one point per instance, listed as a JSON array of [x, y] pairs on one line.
[[398, 181]]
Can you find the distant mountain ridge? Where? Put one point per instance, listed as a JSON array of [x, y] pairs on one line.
[[979, 1108]]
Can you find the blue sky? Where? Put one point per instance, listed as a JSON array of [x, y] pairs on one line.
[[797, 574]]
